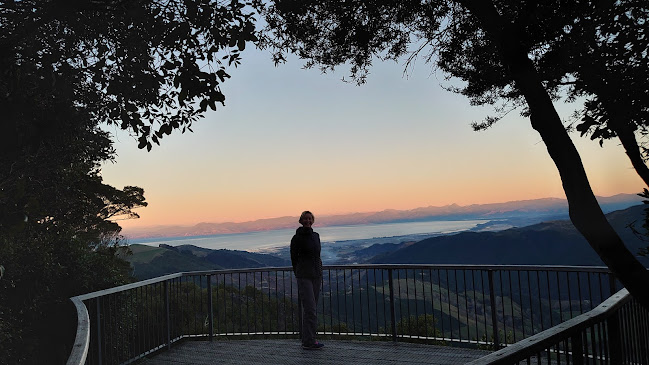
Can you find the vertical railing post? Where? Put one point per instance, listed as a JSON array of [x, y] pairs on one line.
[[614, 338], [494, 316], [393, 317], [210, 305], [167, 310], [578, 349], [299, 312], [611, 284], [99, 355], [641, 323]]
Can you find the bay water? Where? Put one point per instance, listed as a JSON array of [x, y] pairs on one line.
[[264, 240]]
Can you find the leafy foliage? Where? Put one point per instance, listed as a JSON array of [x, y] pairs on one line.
[[57, 238], [608, 60], [147, 66], [66, 68], [422, 325]]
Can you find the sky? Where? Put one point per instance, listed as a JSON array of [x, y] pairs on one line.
[[290, 139]]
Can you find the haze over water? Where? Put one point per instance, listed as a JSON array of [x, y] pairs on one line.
[[256, 241]]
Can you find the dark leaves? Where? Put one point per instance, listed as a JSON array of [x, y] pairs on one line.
[[153, 60]]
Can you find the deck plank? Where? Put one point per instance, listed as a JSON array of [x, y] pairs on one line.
[[289, 352]]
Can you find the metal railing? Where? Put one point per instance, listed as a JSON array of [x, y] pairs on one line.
[[615, 332], [482, 306]]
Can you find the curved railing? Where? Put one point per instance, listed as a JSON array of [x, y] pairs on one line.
[[487, 307], [615, 332]]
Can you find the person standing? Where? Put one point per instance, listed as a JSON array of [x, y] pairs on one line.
[[307, 267]]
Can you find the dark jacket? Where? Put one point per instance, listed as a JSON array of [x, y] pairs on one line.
[[305, 254]]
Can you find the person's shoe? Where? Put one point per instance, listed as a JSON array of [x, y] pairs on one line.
[[315, 346]]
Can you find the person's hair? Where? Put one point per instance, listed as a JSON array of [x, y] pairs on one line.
[[304, 214]]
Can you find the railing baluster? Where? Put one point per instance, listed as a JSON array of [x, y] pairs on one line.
[[351, 281], [520, 298], [590, 292], [448, 296], [432, 302], [338, 300], [484, 305], [502, 303], [376, 303], [423, 294], [475, 304], [466, 306], [331, 317], [547, 276], [360, 300], [210, 306], [393, 317], [283, 303], [569, 293], [581, 307], [529, 293], [99, 337], [277, 301], [167, 318], [457, 301], [254, 297], [407, 303], [345, 292], [593, 343], [511, 303], [612, 285], [538, 286], [494, 316], [367, 294], [385, 317], [577, 349]]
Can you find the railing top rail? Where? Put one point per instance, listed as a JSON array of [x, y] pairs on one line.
[[592, 269], [120, 288], [533, 344], [82, 340], [595, 269]]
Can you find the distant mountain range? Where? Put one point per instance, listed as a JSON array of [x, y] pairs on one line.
[[547, 208], [547, 243]]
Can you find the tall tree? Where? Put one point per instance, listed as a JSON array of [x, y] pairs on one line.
[[67, 67], [149, 66], [602, 56], [495, 47]]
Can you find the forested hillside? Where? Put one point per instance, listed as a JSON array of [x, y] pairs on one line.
[[549, 243], [148, 262]]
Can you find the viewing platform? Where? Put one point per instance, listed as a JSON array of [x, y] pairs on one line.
[[375, 314], [289, 352]]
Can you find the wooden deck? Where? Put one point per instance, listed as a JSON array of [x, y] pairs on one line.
[[290, 352]]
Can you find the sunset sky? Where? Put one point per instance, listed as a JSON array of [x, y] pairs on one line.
[[290, 139]]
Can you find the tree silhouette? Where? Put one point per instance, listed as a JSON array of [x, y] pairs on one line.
[[67, 68], [499, 49], [607, 61]]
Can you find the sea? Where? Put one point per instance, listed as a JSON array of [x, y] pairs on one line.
[[268, 240]]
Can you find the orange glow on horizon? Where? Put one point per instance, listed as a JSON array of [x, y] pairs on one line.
[[313, 142]]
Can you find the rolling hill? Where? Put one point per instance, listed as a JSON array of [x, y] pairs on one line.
[[148, 261], [548, 243]]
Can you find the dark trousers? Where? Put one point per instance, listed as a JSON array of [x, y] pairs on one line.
[[308, 290]]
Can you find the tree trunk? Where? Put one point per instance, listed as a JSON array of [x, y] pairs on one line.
[[627, 137], [585, 212]]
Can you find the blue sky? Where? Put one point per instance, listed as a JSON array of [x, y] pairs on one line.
[[291, 139]]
